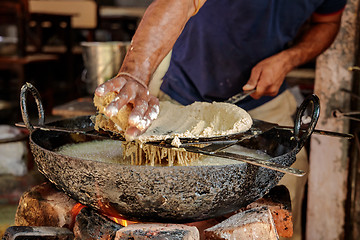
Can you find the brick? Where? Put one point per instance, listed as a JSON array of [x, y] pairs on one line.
[[158, 231], [255, 224], [279, 203], [44, 205]]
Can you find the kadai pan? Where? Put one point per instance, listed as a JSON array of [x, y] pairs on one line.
[[171, 194]]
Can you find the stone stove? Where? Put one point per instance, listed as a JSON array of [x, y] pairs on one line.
[[47, 213]]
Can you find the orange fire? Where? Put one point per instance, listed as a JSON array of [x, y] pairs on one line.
[[74, 212], [111, 213], [122, 222], [105, 210]]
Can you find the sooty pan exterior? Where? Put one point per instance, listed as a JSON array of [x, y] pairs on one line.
[[160, 194]]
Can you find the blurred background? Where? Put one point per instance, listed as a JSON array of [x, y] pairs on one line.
[[64, 48]]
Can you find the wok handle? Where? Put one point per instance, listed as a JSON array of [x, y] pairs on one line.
[[300, 135], [28, 87]]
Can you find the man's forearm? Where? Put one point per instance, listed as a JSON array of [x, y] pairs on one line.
[[317, 39], [160, 27]]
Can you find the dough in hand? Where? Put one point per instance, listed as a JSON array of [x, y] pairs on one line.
[[118, 123]]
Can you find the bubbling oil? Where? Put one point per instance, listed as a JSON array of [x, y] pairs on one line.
[[110, 151]]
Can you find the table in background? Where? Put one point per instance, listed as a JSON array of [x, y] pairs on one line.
[[78, 107]]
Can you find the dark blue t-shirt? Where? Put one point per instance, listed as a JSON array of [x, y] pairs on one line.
[[213, 57]]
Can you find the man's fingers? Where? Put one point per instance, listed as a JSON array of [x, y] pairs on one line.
[[124, 97], [140, 107], [131, 133], [253, 80], [266, 86], [149, 116], [136, 117], [113, 85], [258, 93], [153, 109], [145, 111]]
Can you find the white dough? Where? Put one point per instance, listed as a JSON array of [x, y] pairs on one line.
[[200, 119]]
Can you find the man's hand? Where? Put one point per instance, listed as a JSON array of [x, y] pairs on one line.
[[268, 75], [145, 106], [157, 32]]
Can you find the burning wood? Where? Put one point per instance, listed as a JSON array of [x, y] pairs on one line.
[[91, 225]]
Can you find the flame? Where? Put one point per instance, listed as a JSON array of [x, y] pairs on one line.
[[122, 222], [111, 213], [74, 212], [105, 209]]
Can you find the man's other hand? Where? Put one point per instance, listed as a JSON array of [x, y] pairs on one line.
[[268, 75]]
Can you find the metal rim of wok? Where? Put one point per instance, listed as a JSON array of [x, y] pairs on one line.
[[161, 194]]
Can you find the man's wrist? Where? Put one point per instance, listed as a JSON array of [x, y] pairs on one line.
[[132, 77], [290, 60]]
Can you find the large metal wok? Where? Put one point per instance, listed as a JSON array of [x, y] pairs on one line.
[[161, 194]]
